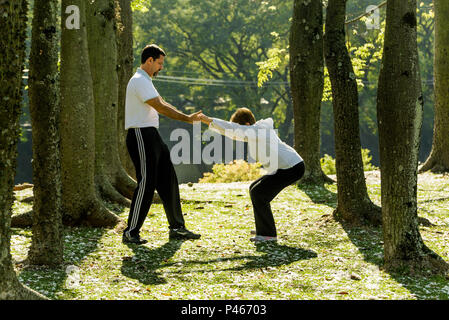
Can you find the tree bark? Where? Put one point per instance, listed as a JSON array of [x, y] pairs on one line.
[[80, 203], [353, 205], [438, 160], [307, 82], [47, 243], [12, 39], [399, 114], [111, 179], [125, 60]]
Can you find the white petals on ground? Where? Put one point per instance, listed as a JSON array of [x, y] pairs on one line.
[[315, 257]]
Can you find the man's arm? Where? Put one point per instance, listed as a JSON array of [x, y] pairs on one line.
[[163, 107]]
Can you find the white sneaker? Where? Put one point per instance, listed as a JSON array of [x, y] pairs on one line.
[[263, 239]]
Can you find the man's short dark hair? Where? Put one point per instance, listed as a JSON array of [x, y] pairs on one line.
[[152, 51]]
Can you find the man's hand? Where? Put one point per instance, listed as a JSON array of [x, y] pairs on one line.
[[195, 116]]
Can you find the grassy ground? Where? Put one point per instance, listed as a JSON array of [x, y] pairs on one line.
[[315, 258]]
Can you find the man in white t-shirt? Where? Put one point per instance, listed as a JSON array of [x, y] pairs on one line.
[[150, 155]]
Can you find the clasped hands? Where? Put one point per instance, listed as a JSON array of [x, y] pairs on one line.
[[199, 116]]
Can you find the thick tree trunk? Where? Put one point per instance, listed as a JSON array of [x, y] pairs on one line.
[[354, 204], [110, 176], [12, 41], [79, 200], [125, 59], [47, 244], [307, 81], [438, 160], [399, 114]]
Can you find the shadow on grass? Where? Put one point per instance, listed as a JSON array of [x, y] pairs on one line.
[[79, 242], [319, 194], [144, 264], [369, 242], [276, 255]]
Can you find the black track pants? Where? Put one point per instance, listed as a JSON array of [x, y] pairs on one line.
[[264, 189], [154, 171]]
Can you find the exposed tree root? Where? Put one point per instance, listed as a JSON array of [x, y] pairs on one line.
[[368, 215], [316, 178], [426, 262], [108, 192]]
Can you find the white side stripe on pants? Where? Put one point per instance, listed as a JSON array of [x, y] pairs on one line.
[[143, 171]]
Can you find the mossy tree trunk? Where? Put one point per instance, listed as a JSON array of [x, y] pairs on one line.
[[111, 179], [79, 200], [438, 160], [125, 60], [353, 205], [399, 114], [12, 41], [307, 81], [47, 244]]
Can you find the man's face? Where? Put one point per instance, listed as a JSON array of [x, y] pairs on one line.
[[156, 65]]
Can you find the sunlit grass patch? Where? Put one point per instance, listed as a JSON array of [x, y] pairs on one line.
[[315, 257]]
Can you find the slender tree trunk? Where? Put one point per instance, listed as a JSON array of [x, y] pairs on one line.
[[307, 81], [399, 114], [354, 204], [438, 160], [12, 41], [80, 203], [47, 244], [125, 59]]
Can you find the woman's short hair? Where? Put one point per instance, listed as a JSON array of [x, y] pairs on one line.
[[243, 116]]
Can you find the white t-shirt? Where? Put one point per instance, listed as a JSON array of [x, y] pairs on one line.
[[138, 114], [262, 141]]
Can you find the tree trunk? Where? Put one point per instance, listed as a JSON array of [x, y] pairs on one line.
[[80, 203], [111, 179], [47, 243], [12, 39], [307, 81], [438, 160], [125, 59], [399, 114], [354, 205]]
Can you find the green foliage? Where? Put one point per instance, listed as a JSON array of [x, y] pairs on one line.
[[217, 40], [245, 45], [140, 5], [366, 158], [275, 58], [235, 171], [328, 163]]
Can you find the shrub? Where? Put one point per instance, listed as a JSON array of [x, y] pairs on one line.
[[328, 163], [235, 171]]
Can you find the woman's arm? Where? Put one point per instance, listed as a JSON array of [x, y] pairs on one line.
[[231, 130]]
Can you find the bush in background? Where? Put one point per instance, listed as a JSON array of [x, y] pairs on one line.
[[235, 171], [328, 163]]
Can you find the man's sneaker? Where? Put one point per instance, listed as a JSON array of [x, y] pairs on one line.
[[253, 232], [132, 239], [183, 233], [263, 239]]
